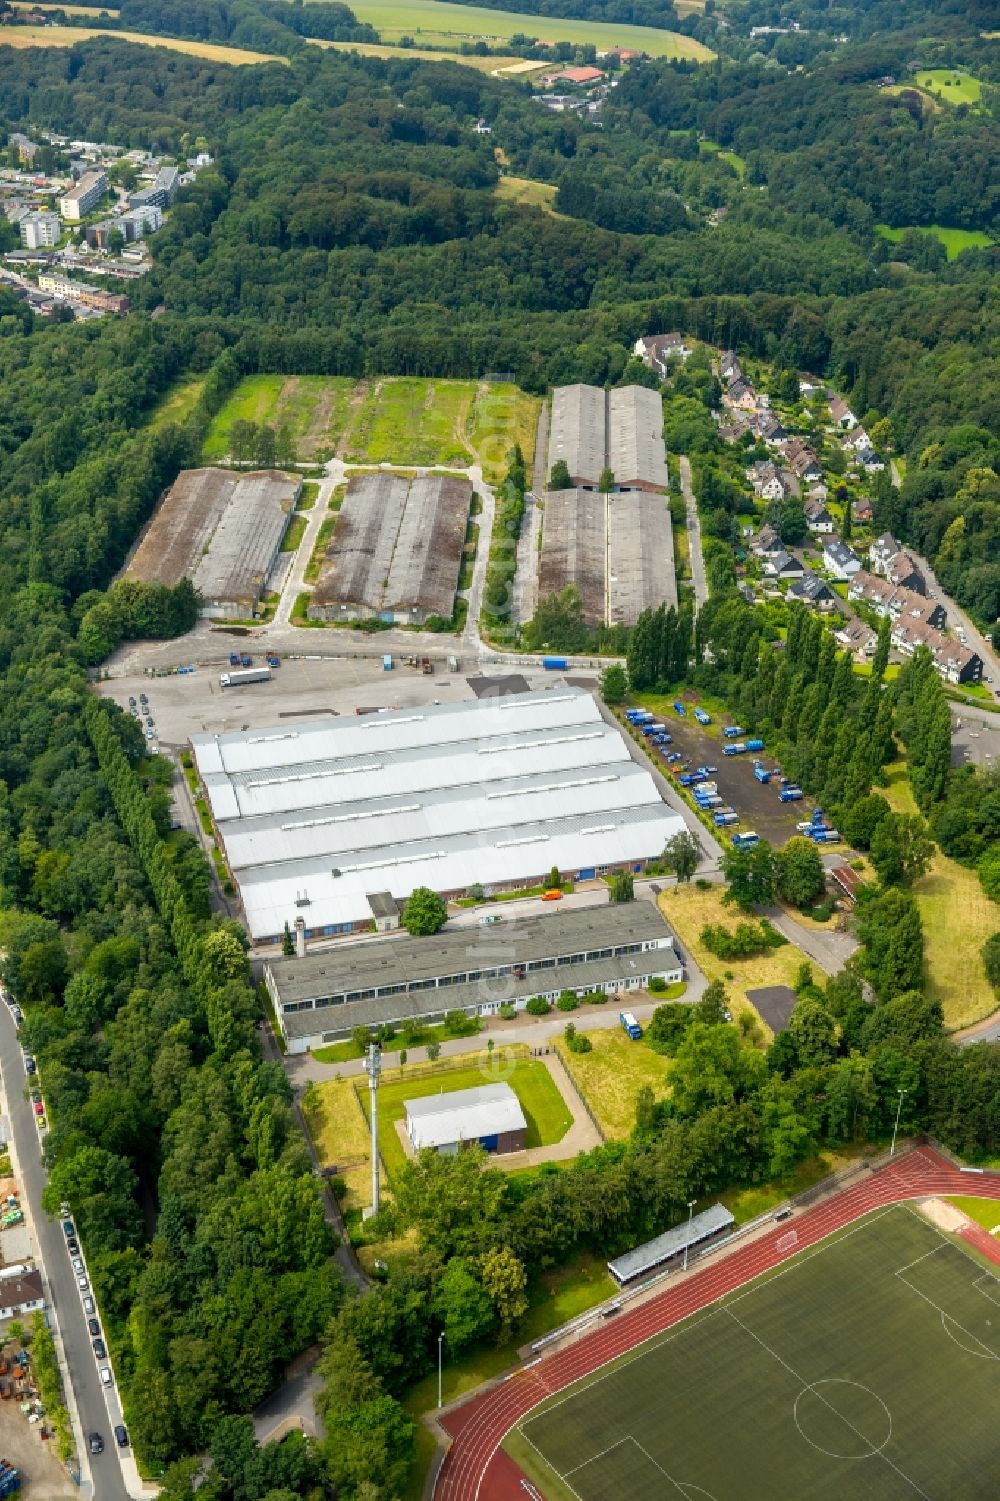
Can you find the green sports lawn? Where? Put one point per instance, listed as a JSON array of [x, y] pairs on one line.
[[868, 1369]]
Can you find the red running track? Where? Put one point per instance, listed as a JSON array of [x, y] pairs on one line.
[[475, 1469]]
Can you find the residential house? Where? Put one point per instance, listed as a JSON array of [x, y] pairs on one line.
[[857, 440], [857, 636], [781, 565], [895, 564], [580, 76], [881, 550], [862, 510], [810, 386], [806, 467], [747, 592], [766, 426], [766, 480], [818, 491], [21, 1292], [39, 230], [767, 541], [842, 414], [27, 149], [870, 461], [818, 518], [813, 591], [735, 425], [87, 193], [656, 349], [482, 128], [955, 662], [729, 365], [840, 560], [740, 393], [889, 599]]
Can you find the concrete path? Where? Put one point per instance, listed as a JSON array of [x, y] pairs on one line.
[[525, 597], [698, 575], [295, 579], [830, 951]]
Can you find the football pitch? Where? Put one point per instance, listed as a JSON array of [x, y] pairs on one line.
[[868, 1367]]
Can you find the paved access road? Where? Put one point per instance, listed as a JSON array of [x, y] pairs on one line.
[[106, 1481], [698, 575]]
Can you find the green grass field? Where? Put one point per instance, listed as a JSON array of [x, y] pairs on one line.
[[70, 36], [500, 417], [410, 421], [314, 408], [545, 1111], [178, 405], [985, 1212], [868, 1368], [951, 85], [610, 1076], [953, 240], [433, 22]]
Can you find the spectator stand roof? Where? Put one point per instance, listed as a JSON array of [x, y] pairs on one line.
[[654, 1253]]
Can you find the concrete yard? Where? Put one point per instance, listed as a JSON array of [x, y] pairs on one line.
[[46, 1478]]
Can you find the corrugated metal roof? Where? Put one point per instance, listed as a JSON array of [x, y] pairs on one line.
[[636, 454], [579, 431], [654, 1253], [464, 1115]]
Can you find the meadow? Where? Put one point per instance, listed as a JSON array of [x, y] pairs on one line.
[[490, 64], [314, 408], [611, 1075], [410, 421], [950, 85], [434, 22], [957, 917], [953, 240]]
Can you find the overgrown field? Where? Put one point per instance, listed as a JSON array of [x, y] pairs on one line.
[[314, 408], [611, 1075], [69, 36], [958, 917], [409, 421]]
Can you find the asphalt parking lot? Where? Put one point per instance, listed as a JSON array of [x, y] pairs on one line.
[[974, 741], [183, 704], [756, 803]]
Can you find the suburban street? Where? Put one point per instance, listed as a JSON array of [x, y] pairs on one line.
[[694, 535], [102, 1475]]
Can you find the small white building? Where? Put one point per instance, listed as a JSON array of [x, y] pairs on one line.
[[489, 1116], [841, 561], [20, 1292]]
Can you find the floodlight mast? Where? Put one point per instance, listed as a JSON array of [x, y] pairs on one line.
[[373, 1068]]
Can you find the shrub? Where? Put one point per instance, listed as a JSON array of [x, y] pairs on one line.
[[656, 984], [538, 1006], [702, 884], [460, 1025], [596, 997], [567, 1001], [508, 1012]]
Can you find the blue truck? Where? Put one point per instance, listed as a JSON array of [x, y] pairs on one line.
[[630, 1024], [736, 749], [724, 818], [702, 717], [679, 708], [826, 836], [755, 745], [762, 774], [745, 841], [790, 794], [708, 803], [733, 731], [555, 664]]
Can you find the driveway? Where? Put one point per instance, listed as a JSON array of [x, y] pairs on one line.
[[97, 1410], [698, 576]]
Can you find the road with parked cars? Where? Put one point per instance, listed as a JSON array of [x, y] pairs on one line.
[[65, 1270]]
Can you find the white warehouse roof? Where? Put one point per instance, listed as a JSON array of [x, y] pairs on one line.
[[438, 1120], [489, 792]]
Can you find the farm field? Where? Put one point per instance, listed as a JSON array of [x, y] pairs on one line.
[[688, 910], [847, 1371], [313, 407], [434, 22], [957, 917], [69, 36], [611, 1075], [950, 84], [953, 240], [545, 1111], [409, 421]]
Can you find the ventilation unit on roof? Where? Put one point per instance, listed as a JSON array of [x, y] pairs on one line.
[[302, 899]]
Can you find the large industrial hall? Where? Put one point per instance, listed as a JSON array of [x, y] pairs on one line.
[[318, 818], [616, 548]]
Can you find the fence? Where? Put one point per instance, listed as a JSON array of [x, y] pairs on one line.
[[578, 1090]]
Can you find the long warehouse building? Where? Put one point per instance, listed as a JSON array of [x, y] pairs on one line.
[[396, 550], [322, 996], [617, 550], [318, 819], [223, 531], [621, 430]]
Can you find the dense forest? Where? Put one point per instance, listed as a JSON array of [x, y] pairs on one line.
[[351, 224]]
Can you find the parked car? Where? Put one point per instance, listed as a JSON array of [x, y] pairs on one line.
[[73, 1247], [94, 1326], [83, 1284], [150, 734], [106, 1377], [68, 1228], [491, 917], [78, 1265], [121, 1434], [95, 1443], [131, 701], [88, 1305], [30, 1066], [39, 1107], [99, 1349]]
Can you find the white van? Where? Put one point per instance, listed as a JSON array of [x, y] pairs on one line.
[[106, 1377]]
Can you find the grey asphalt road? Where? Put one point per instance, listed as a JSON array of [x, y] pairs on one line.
[[694, 535], [96, 1414]]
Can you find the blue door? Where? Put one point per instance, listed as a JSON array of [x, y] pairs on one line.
[[588, 874], [490, 1143]]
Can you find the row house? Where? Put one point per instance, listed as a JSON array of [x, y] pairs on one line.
[[857, 637], [818, 518], [897, 602], [895, 564], [956, 663], [766, 480]]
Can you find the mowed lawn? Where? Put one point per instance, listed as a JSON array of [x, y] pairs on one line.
[[546, 1112], [985, 1212], [953, 240], [69, 36], [951, 85], [314, 408], [867, 1367], [611, 1075], [688, 910], [430, 22], [501, 416], [410, 421], [958, 917]]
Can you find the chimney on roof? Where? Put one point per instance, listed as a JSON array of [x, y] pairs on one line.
[[300, 938]]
